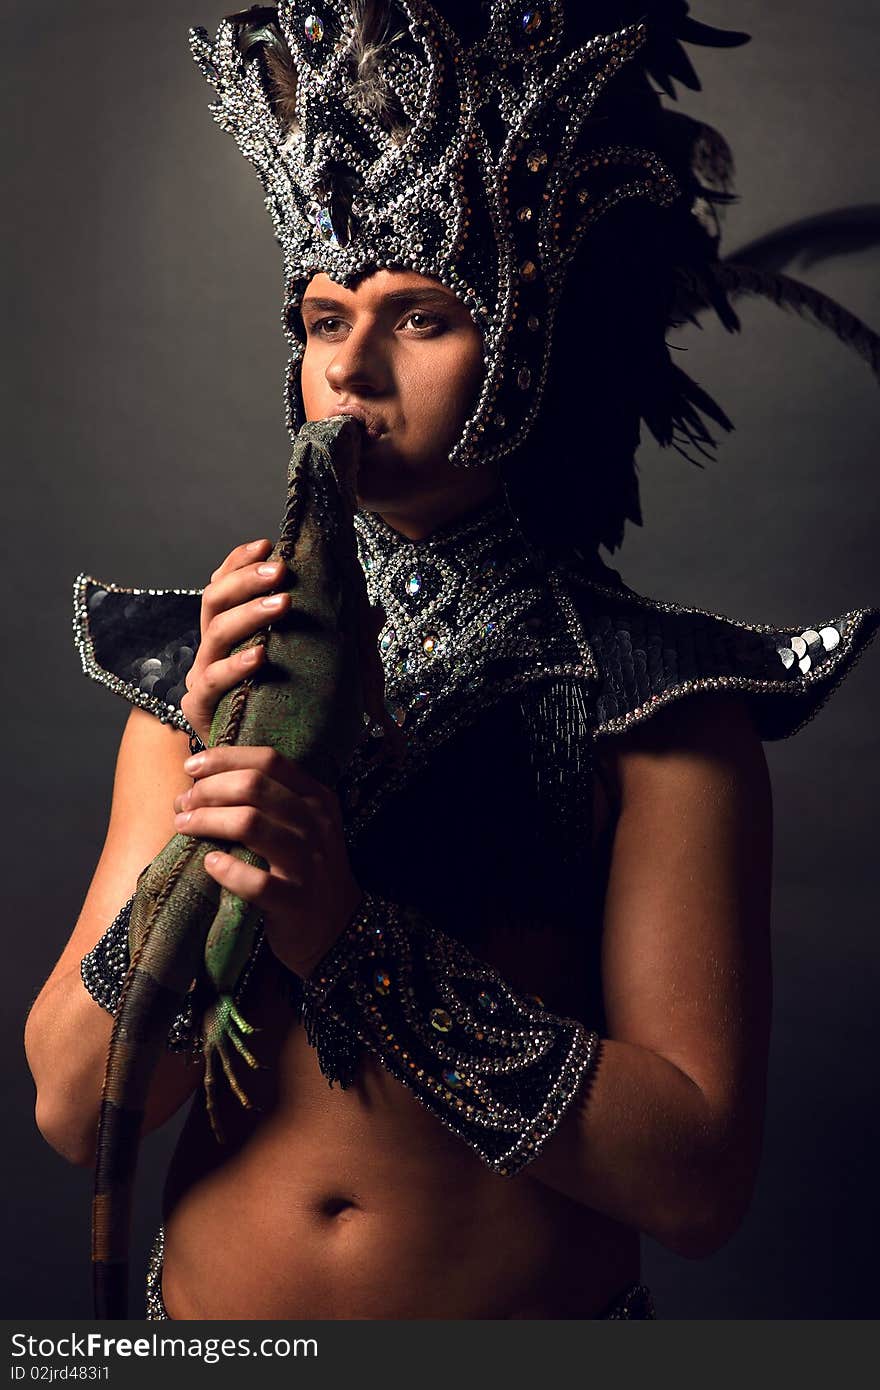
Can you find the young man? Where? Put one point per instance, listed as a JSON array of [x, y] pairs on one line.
[[598, 844]]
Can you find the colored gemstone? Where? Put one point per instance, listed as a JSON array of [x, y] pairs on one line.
[[324, 224], [314, 27], [440, 1020], [525, 214], [524, 379], [528, 270], [382, 982], [431, 644], [487, 1001], [421, 696], [452, 1077], [414, 584], [536, 160], [532, 21], [386, 642], [489, 628], [397, 712], [583, 196]]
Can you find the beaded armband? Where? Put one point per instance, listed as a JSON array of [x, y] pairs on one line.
[[496, 1068], [104, 968]]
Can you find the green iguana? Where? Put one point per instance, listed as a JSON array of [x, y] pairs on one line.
[[321, 679]]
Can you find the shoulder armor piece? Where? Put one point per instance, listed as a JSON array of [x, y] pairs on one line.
[[650, 652], [140, 643]]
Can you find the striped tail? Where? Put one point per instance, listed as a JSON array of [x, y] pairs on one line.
[[162, 968]]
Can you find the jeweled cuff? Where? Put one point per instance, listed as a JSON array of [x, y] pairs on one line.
[[497, 1068], [103, 971]]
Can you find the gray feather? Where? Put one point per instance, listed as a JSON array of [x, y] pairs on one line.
[[370, 92]]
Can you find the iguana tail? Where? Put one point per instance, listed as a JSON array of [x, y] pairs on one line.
[[161, 971]]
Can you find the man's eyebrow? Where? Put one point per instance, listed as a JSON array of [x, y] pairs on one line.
[[399, 298], [441, 298], [312, 303]]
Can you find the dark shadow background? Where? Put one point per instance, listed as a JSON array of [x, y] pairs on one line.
[[144, 438]]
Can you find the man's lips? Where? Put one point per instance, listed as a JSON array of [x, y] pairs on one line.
[[374, 425]]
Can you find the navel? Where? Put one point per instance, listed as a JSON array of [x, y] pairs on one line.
[[336, 1207]]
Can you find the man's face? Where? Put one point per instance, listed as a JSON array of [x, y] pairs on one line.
[[401, 352]]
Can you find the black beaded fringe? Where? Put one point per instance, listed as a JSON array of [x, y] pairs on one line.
[[337, 1046]]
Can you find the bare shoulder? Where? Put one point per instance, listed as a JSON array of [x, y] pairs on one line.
[[709, 737], [686, 939], [149, 775]]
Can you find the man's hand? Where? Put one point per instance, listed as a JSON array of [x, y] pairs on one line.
[[258, 798]]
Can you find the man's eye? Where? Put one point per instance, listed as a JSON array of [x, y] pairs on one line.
[[327, 328], [424, 324]]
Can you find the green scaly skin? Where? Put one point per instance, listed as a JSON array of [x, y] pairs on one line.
[[321, 674]]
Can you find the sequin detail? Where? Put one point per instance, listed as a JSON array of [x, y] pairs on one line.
[[107, 619]]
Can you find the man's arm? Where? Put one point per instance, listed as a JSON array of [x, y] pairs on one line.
[[67, 1033], [665, 1134]]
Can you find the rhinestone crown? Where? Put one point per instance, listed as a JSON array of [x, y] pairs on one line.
[[486, 174]]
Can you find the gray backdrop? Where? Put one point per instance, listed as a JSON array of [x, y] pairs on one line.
[[145, 438]]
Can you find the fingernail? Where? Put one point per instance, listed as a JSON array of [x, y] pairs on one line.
[[183, 818], [250, 656], [267, 570], [276, 601], [213, 859], [193, 764], [255, 545]]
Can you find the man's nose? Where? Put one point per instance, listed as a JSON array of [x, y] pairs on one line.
[[359, 364]]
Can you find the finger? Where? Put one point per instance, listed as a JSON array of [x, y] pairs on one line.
[[245, 554], [207, 686], [281, 845], [248, 787], [273, 765], [232, 613], [254, 885]]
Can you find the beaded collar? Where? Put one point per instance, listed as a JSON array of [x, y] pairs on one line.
[[472, 612]]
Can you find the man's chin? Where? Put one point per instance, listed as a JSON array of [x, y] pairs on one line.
[[383, 477]]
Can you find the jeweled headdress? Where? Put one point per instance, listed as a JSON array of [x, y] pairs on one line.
[[479, 144]]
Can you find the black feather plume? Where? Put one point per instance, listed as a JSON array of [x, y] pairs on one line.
[[809, 303]]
